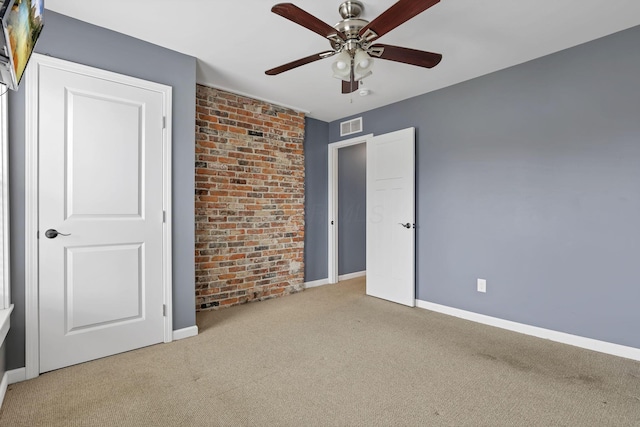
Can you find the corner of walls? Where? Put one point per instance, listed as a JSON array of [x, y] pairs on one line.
[[249, 199]]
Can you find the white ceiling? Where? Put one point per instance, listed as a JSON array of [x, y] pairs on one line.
[[235, 41]]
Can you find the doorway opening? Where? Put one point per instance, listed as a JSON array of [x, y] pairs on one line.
[[344, 218]]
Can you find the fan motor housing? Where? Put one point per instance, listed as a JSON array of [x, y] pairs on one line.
[[351, 24]]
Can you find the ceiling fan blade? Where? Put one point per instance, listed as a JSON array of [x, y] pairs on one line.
[[406, 55], [396, 15], [348, 87], [300, 17], [352, 86], [299, 62]]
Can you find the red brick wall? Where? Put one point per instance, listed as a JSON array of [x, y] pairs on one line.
[[249, 199]]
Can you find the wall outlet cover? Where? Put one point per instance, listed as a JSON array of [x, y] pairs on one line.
[[482, 285]]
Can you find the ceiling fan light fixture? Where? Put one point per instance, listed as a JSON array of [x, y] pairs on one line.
[[362, 59], [363, 64], [342, 66]]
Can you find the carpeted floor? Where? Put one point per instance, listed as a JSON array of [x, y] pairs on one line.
[[331, 356]]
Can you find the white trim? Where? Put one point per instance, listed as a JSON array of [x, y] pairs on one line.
[[561, 337], [332, 203], [3, 387], [31, 314], [32, 339], [332, 218], [322, 282], [180, 334], [5, 322], [167, 252], [16, 375], [316, 283], [5, 290], [352, 275], [10, 377]]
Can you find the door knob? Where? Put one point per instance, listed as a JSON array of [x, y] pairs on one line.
[[407, 225], [52, 234]]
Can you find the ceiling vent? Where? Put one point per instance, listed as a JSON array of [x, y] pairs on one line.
[[351, 126]]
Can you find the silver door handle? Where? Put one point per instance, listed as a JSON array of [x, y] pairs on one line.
[[52, 234], [407, 225]]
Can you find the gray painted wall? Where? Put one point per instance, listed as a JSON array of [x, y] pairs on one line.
[[76, 41], [316, 135], [529, 178], [352, 209]]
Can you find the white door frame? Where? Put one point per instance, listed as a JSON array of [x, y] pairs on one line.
[[332, 194], [32, 337], [5, 289]]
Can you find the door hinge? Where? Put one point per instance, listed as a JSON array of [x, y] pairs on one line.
[[164, 310], [164, 216], [164, 122]]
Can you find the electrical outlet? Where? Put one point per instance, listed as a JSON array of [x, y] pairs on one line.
[[482, 285]]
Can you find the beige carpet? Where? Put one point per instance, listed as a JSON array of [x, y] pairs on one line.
[[331, 356]]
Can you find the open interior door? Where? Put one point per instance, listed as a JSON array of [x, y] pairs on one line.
[[391, 217]]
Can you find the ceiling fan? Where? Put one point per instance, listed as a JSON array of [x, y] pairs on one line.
[[352, 39]]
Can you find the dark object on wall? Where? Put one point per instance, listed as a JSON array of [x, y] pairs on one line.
[[22, 23], [351, 39]]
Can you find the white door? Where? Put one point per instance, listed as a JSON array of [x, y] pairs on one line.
[[100, 182], [391, 217]]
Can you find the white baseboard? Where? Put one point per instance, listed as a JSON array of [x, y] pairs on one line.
[[11, 377], [352, 275], [561, 337], [180, 334], [316, 283], [3, 387], [323, 282], [16, 375]]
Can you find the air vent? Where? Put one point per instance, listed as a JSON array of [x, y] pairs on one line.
[[351, 126]]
